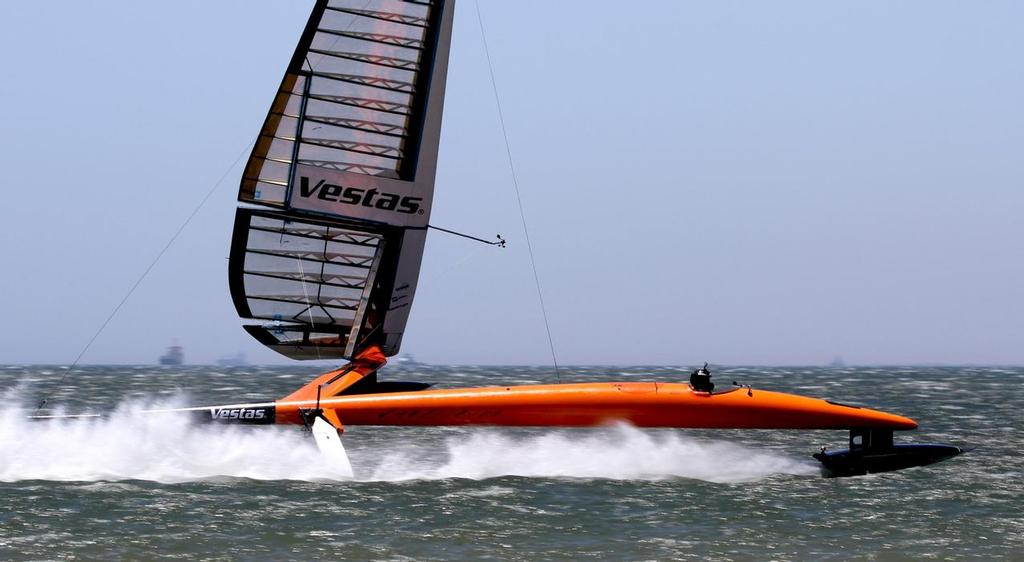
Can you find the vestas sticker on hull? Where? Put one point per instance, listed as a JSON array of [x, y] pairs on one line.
[[242, 414], [353, 195]]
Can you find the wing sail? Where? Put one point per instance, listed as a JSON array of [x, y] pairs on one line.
[[336, 196]]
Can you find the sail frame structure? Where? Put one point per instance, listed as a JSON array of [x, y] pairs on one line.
[[340, 181]]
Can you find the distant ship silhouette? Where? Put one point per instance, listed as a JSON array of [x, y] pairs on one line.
[[175, 355]]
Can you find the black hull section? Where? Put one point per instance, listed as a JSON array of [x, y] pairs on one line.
[[873, 451], [847, 463]]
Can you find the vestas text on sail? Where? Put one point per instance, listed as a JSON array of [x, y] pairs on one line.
[[351, 195], [356, 196]]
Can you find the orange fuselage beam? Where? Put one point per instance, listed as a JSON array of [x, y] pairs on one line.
[[643, 404]]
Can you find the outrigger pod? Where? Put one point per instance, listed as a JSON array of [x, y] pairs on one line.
[[872, 450]]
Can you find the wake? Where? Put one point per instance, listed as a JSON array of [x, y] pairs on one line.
[[619, 453], [128, 445]]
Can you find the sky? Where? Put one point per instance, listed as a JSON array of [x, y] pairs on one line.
[[737, 182]]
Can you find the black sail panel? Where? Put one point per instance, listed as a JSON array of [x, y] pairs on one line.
[[336, 196]]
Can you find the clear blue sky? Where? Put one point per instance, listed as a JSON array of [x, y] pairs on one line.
[[759, 183]]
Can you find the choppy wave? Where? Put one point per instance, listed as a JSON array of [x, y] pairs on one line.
[[131, 445], [439, 493]]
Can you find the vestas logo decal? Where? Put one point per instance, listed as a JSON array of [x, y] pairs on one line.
[[372, 198], [238, 413]]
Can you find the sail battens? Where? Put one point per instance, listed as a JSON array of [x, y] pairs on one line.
[[287, 138], [361, 147], [279, 160], [393, 40], [377, 127], [338, 189], [346, 167], [281, 183], [365, 103], [319, 257], [384, 16], [338, 303], [321, 254], [379, 60], [341, 281], [347, 237], [371, 81], [322, 318]]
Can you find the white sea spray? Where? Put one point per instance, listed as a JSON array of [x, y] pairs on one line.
[[130, 444]]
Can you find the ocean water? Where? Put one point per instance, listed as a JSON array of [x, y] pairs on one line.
[[140, 487]]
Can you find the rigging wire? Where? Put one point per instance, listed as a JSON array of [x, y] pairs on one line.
[[519, 198], [309, 307], [145, 273], [437, 276]]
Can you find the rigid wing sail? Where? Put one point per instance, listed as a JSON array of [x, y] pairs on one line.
[[336, 196]]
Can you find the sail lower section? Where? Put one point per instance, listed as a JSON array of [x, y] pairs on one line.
[[344, 170], [309, 282]]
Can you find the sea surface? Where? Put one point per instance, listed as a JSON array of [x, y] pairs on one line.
[[128, 486]]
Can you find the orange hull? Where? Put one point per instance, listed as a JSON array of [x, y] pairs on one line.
[[644, 404]]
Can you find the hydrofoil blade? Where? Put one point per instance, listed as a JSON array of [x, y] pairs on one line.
[[328, 440]]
